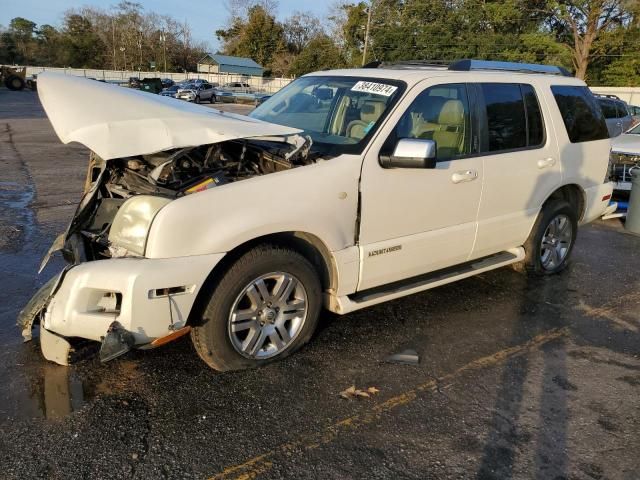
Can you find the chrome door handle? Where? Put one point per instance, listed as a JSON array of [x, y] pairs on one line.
[[547, 162], [464, 176]]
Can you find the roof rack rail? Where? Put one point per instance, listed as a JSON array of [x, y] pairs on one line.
[[470, 65], [424, 64], [607, 95]]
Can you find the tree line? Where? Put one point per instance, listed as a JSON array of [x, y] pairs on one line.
[[596, 39], [122, 38]]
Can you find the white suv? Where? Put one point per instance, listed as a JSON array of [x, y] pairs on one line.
[[345, 189]]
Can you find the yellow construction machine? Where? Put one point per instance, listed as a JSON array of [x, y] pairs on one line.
[[13, 78]]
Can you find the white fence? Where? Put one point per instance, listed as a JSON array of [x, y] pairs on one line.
[[631, 95], [270, 85]]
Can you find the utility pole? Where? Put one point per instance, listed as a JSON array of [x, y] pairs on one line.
[[366, 34], [163, 39]]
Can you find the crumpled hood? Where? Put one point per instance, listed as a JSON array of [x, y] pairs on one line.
[[116, 122], [626, 143]]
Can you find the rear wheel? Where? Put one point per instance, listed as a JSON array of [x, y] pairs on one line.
[[13, 82], [265, 307], [197, 99], [552, 239], [212, 99]]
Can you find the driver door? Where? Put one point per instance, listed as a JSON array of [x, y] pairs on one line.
[[417, 220]]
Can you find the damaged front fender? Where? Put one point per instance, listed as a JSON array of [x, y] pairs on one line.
[[37, 305]]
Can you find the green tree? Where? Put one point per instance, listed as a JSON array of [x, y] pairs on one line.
[[580, 23], [259, 37], [22, 31], [81, 47], [320, 53]]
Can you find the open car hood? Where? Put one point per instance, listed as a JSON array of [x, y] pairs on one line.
[[116, 122]]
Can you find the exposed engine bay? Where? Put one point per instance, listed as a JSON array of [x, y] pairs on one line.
[[168, 175]]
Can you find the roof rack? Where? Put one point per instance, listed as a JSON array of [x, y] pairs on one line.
[[470, 65], [607, 95], [419, 64]]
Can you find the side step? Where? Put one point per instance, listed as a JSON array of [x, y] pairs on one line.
[[373, 296]]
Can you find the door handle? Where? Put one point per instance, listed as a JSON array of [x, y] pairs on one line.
[[547, 162], [464, 176]]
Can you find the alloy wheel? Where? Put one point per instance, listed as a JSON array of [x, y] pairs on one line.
[[556, 242], [268, 315]]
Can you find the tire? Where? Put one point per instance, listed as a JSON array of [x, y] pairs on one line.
[[242, 328], [13, 82], [557, 227], [197, 99], [213, 99]]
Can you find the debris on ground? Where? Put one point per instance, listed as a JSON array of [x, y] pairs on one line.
[[406, 357], [353, 392]]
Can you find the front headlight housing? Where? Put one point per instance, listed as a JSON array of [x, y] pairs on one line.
[[131, 224]]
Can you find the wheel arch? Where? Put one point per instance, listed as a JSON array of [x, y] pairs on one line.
[[573, 194], [307, 244]]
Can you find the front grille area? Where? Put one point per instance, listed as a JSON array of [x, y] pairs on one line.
[[623, 166]]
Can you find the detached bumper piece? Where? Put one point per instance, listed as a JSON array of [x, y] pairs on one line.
[[55, 348], [117, 342]]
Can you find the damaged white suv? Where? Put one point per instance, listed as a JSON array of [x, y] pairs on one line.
[[344, 190]]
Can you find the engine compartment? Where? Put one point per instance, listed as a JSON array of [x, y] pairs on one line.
[[170, 174]]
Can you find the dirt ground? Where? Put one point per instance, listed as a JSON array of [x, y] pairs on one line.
[[518, 377]]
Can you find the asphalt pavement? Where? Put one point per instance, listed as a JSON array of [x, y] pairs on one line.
[[517, 377]]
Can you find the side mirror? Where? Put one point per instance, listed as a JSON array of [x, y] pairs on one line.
[[411, 153]]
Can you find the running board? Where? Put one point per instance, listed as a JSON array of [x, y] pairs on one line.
[[384, 293]]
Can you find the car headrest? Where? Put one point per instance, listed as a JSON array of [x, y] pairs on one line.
[[371, 110], [452, 113]]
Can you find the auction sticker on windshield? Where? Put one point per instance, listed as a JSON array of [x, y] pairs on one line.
[[375, 88]]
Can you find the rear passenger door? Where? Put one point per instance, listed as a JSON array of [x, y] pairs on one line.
[[521, 163]]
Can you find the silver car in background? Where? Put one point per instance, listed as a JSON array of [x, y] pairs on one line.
[[197, 93], [616, 113], [625, 159]]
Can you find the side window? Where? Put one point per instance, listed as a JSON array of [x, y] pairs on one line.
[[608, 108], [580, 112], [440, 113], [622, 111], [506, 118], [535, 125]]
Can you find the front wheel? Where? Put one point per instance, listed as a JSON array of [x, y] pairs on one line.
[[197, 99], [552, 239], [265, 307], [212, 99]]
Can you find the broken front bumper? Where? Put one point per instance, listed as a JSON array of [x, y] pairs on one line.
[[149, 298]]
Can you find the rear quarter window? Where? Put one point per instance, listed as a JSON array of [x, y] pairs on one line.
[[581, 113]]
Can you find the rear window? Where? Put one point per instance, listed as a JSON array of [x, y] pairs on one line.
[[622, 110], [581, 113], [608, 108]]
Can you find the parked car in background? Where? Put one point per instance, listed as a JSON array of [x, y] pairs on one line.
[[171, 91], [616, 113], [151, 85], [167, 82], [635, 113], [134, 82], [238, 87], [625, 158], [202, 92], [404, 179]]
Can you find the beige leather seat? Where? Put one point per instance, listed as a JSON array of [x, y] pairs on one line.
[[424, 117], [449, 136], [370, 111]]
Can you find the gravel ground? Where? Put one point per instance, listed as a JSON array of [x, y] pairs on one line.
[[518, 378]]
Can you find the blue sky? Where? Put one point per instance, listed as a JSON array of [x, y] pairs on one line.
[[203, 16]]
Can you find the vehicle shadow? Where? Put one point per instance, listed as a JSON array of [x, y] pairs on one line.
[[506, 436]]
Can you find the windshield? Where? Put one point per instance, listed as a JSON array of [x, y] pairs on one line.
[[339, 113]]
